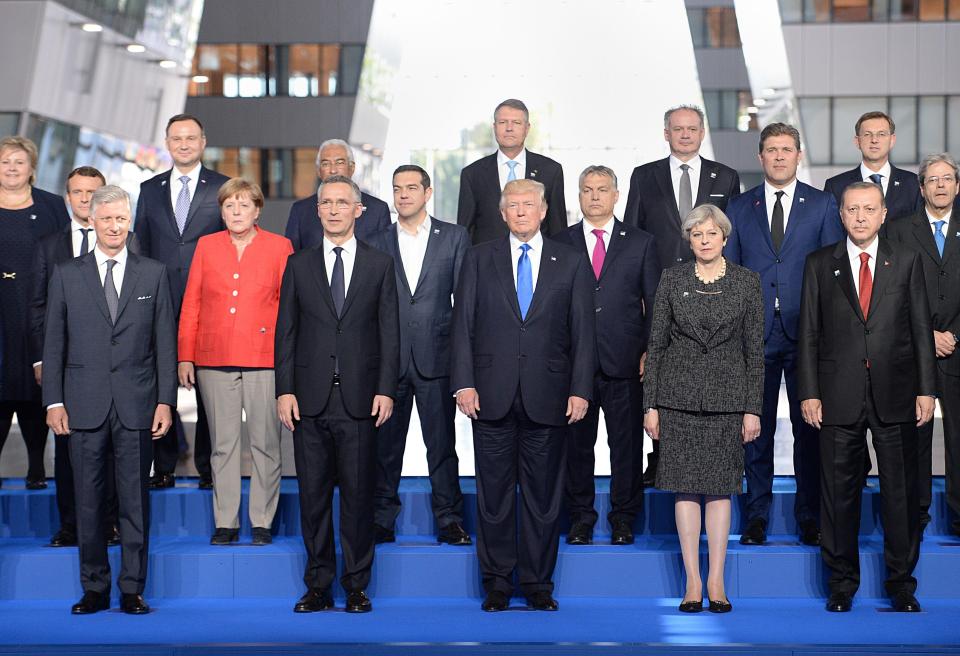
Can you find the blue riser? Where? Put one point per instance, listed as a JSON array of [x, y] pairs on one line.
[[651, 568], [187, 511]]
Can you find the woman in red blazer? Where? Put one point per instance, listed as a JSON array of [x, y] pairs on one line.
[[226, 349]]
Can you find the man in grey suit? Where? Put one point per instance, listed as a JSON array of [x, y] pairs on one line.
[[110, 383], [427, 255]]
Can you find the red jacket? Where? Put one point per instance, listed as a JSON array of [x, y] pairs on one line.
[[229, 309]]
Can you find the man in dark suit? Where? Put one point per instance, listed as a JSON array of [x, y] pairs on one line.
[[626, 272], [775, 226], [522, 369], [304, 229], [110, 383], [427, 255], [337, 359], [867, 361], [478, 209], [874, 136], [935, 233], [176, 208], [663, 192]]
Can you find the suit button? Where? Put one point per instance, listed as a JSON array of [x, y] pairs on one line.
[[413, 301], [114, 342], [943, 273], [679, 259], [779, 261], [941, 297], [339, 331], [866, 331], [704, 350], [235, 292], [113, 370], [236, 275], [523, 329], [412, 324], [597, 289], [233, 310]]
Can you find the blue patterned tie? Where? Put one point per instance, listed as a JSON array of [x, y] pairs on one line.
[[512, 175], [524, 281], [876, 177], [182, 208], [938, 236]]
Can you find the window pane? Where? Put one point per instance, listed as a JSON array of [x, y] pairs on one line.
[[304, 70], [791, 11], [953, 9], [903, 10], [329, 69], [846, 111], [252, 82], [711, 105], [304, 172], [746, 120], [248, 165], [351, 60], [903, 111], [851, 11], [933, 10], [933, 121], [816, 11], [696, 19], [9, 122], [280, 174], [218, 63], [953, 127], [815, 119], [721, 24]]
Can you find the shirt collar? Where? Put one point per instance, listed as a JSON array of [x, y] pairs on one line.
[[536, 243], [853, 251], [607, 227], [424, 227], [350, 246], [75, 226], [193, 174], [789, 190], [865, 172], [694, 162], [521, 158], [102, 257], [945, 219]]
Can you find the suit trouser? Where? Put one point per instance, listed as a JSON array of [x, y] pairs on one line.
[[437, 410], [327, 447], [780, 358], [841, 465], [227, 392], [508, 451], [131, 452], [166, 450], [948, 391], [32, 419], [622, 402], [66, 498]]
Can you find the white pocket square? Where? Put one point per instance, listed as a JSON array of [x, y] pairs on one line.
[[143, 298], [717, 195]]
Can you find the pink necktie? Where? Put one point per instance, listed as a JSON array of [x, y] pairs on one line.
[[599, 253]]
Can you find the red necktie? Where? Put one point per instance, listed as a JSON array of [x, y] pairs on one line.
[[866, 284], [599, 253]]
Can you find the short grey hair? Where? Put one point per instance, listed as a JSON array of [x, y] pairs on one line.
[[703, 213], [513, 103], [523, 186], [336, 143], [597, 169], [936, 158], [109, 194], [341, 179], [690, 108], [862, 184]]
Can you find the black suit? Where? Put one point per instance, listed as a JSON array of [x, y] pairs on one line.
[[156, 228], [524, 371], [903, 190], [110, 377], [867, 374], [478, 209], [304, 229], [425, 315], [623, 309], [942, 275], [336, 437]]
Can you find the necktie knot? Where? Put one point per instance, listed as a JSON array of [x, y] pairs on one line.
[[876, 177], [599, 252], [525, 248], [779, 195], [940, 225], [512, 175], [598, 233], [185, 179], [338, 250], [684, 167], [110, 265], [864, 258]]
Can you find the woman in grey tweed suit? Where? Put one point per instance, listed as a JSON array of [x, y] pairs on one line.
[[703, 391]]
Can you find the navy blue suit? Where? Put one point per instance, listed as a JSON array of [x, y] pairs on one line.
[[623, 310], [903, 190], [813, 222], [304, 229]]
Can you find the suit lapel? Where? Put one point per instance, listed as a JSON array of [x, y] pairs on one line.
[[843, 274], [760, 217], [433, 247], [165, 185], [88, 268], [924, 236], [683, 298], [319, 268], [503, 264], [618, 243], [894, 186], [548, 264], [130, 277], [357, 278], [491, 174], [708, 173], [796, 214], [393, 239], [662, 174], [881, 275], [64, 246], [952, 245], [533, 166], [203, 190]]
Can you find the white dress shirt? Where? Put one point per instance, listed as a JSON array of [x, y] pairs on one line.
[[853, 254], [348, 256], [175, 184], [676, 173], [413, 248], [865, 173], [933, 220], [118, 269], [591, 238], [536, 249], [76, 237], [504, 170], [769, 193]]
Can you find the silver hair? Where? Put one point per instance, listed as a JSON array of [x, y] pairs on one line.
[[336, 142], [936, 158], [703, 213], [693, 108], [341, 179], [109, 194], [597, 169], [523, 186]]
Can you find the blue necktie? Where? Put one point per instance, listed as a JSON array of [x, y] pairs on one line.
[[524, 281], [182, 208], [876, 177], [512, 175], [938, 236]]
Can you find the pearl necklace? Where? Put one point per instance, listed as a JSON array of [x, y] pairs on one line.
[[723, 272]]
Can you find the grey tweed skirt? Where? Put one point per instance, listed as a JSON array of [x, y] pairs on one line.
[[700, 453]]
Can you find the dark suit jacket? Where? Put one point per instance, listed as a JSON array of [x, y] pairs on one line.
[[90, 364], [814, 222], [623, 297], [942, 275], [426, 313], [51, 251], [903, 190], [835, 341], [688, 369], [548, 357], [304, 229], [156, 226], [311, 339], [479, 207], [51, 209], [652, 205]]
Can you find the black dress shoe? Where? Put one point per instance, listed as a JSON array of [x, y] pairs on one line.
[[495, 601], [756, 533], [314, 601], [693, 606], [905, 602], [809, 533], [91, 602], [622, 533], [36, 484], [720, 606], [580, 534], [542, 600], [133, 604], [64, 538], [261, 536], [161, 481], [454, 534], [225, 536], [112, 536], [205, 482], [840, 602], [357, 602], [382, 535]]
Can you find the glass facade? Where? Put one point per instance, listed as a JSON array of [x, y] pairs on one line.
[[861, 11], [280, 172], [714, 27], [730, 109]]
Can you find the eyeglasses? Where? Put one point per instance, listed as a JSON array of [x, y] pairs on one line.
[[883, 134], [341, 205], [935, 180]]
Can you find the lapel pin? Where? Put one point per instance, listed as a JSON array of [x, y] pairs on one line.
[[533, 173], [624, 234], [33, 217], [9, 276], [163, 183], [836, 273], [800, 199], [685, 294], [896, 183], [886, 263], [713, 175], [553, 259], [756, 203], [436, 231]]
